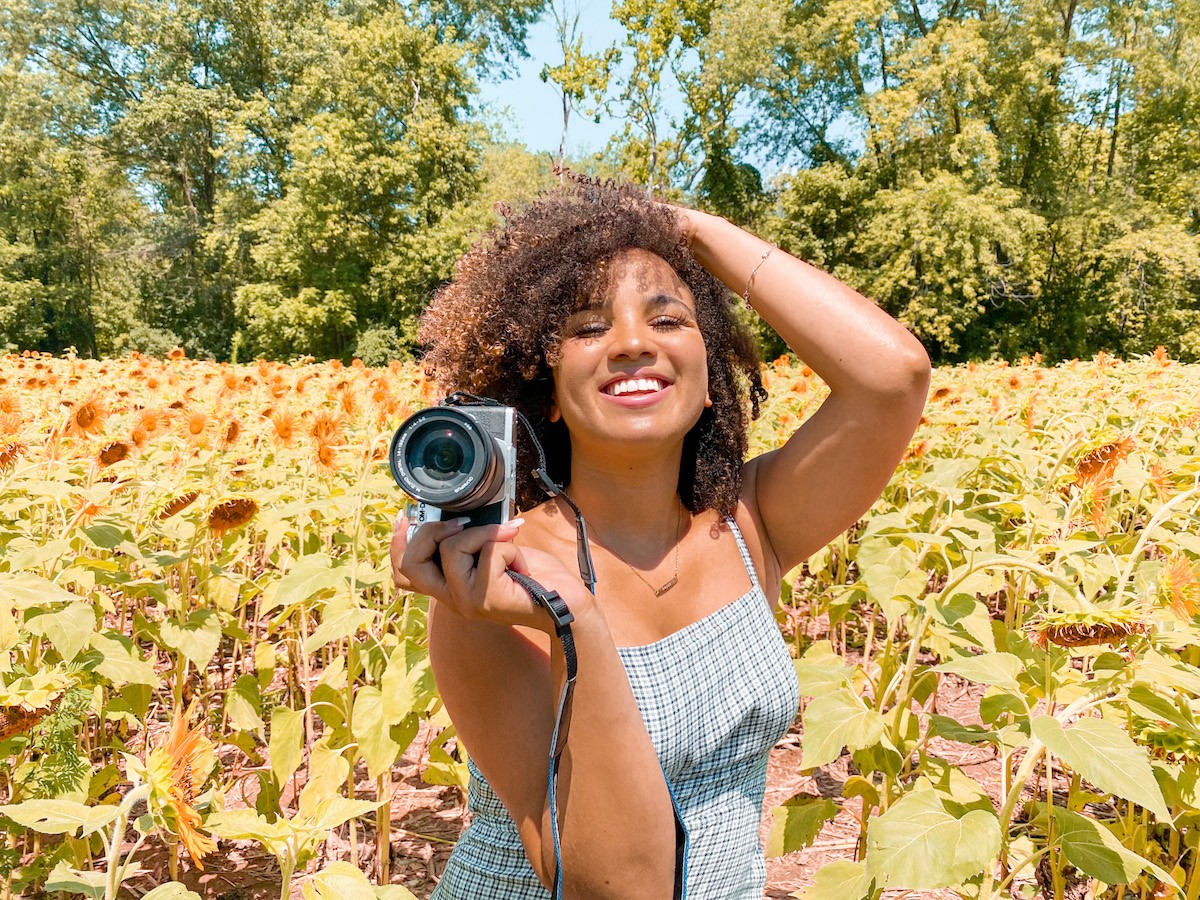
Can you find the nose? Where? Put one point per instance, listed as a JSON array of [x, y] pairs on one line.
[[631, 338]]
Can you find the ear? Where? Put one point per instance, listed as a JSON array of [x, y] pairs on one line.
[[707, 400], [555, 415]]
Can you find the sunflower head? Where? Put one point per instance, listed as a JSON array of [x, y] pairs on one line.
[[1099, 464], [1084, 629], [87, 418], [175, 770], [1178, 586], [231, 514], [112, 452], [233, 430], [178, 504], [10, 453]]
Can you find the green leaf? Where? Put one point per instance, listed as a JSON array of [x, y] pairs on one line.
[[838, 880], [243, 705], [821, 670], [890, 571], [68, 627], [953, 730], [372, 731], [72, 881], [919, 844], [105, 535], [1106, 756], [1145, 702], [26, 590], [836, 720], [399, 698], [246, 825], [197, 639], [286, 747], [796, 823], [172, 890], [340, 619], [963, 615], [121, 662], [1095, 850], [342, 881], [59, 816], [310, 575], [999, 669], [335, 811]]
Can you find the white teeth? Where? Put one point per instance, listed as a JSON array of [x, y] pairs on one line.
[[633, 385]]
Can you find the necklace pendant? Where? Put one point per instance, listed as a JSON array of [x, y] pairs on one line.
[[666, 587]]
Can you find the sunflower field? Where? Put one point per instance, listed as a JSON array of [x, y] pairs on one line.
[[202, 654]]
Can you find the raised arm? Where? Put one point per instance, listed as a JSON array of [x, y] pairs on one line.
[[837, 463]]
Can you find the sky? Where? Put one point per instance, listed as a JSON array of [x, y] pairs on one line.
[[530, 110]]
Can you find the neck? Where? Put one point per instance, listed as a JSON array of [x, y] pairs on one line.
[[632, 509]]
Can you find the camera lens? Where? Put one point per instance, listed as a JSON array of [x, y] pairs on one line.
[[443, 457], [439, 454]]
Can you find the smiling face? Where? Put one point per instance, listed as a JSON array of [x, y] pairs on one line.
[[632, 365]]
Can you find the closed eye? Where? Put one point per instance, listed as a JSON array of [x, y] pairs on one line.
[[666, 323]]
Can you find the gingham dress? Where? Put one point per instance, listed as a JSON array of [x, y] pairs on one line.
[[715, 696]]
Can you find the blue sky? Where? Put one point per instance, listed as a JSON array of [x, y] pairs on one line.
[[531, 111]]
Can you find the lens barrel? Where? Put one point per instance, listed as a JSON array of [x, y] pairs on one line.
[[443, 457]]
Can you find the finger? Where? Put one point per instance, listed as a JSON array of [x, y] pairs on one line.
[[417, 561], [460, 551]]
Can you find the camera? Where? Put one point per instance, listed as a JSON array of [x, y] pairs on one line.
[[458, 460]]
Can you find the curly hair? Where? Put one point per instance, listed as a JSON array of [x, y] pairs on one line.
[[495, 329]]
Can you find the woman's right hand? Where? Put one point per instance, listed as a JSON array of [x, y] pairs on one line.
[[471, 579]]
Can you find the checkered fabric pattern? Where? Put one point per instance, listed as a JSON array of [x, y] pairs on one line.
[[715, 696]]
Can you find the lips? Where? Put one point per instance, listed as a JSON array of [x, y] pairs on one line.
[[641, 385]]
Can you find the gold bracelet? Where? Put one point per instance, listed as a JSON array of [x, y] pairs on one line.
[[746, 293]]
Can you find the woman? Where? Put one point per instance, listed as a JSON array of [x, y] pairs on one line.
[[607, 319]]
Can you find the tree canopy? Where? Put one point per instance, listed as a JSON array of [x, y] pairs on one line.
[[288, 178]]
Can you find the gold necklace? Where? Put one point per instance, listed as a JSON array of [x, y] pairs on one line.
[[658, 592]]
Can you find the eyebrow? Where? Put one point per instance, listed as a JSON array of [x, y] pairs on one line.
[[656, 300]]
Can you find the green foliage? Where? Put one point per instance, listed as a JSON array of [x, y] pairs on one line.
[[1007, 179]]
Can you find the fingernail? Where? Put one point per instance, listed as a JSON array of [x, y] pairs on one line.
[[461, 520], [516, 523], [399, 518]]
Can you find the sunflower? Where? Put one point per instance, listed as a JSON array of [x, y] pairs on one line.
[[10, 404], [176, 353], [1100, 464], [112, 452], [10, 453], [178, 504], [231, 514], [195, 428], [1179, 587], [233, 429], [284, 421], [152, 422], [175, 771], [325, 430], [1161, 479], [1084, 629], [88, 417]]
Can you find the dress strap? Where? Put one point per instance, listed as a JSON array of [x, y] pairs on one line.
[[746, 559]]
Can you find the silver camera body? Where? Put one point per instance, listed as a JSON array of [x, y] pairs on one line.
[[458, 460]]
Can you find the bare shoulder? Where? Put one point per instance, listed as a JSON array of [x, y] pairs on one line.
[[750, 523]]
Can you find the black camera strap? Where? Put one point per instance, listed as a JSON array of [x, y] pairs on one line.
[[562, 616]]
